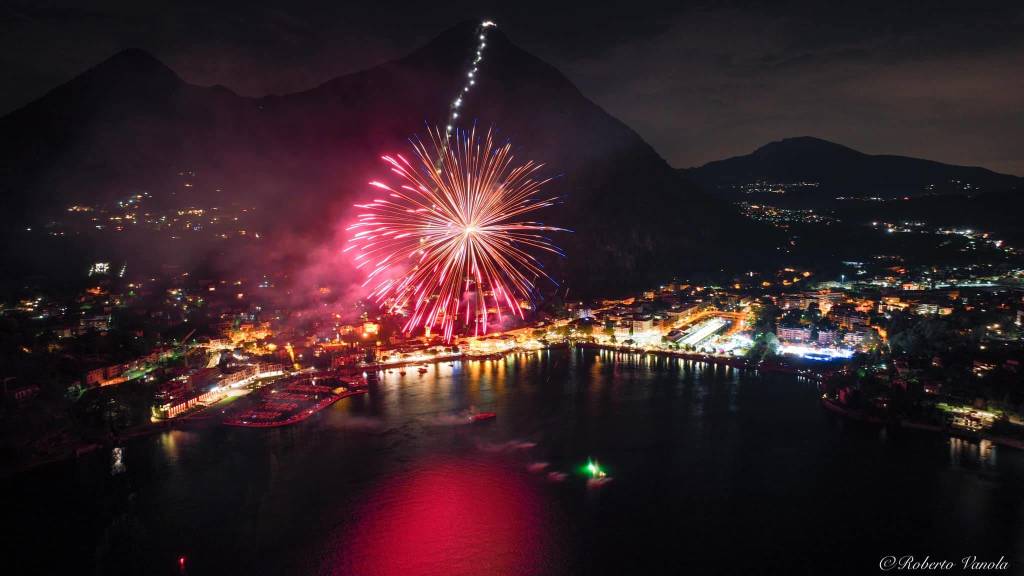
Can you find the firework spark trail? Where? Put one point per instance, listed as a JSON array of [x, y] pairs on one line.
[[454, 222], [453, 108]]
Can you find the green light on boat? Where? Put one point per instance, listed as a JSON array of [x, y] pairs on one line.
[[593, 469]]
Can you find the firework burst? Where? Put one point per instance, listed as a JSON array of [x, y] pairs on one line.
[[447, 241]]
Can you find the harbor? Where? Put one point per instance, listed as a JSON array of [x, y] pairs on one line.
[[291, 400]]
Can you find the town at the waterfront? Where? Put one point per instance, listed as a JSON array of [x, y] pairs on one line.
[[925, 347]]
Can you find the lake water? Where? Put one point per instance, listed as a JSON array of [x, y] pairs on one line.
[[714, 471]]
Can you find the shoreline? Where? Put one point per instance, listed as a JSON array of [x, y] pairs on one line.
[[860, 416], [731, 361], [201, 416]]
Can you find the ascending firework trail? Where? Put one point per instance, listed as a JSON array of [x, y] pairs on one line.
[[453, 108]]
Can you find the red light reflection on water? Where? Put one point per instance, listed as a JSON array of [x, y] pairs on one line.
[[450, 517]]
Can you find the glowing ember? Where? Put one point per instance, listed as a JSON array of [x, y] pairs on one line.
[[447, 242]]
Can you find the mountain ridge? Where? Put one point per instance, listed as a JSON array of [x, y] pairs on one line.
[[839, 169], [304, 158]]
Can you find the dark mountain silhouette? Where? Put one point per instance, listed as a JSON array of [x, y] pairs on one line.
[[131, 124], [840, 171], [993, 212]]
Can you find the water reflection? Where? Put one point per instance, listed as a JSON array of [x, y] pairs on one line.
[[172, 442], [448, 516], [117, 461], [972, 454]]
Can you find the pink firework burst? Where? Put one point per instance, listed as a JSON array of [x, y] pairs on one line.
[[447, 241]]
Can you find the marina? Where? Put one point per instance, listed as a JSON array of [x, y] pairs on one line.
[[290, 401]]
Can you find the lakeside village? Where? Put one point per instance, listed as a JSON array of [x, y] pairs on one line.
[[929, 348]]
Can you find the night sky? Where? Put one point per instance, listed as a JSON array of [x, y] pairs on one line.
[[700, 82]]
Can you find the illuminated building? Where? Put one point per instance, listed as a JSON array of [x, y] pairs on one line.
[[642, 323], [492, 344], [801, 301], [827, 337], [848, 317], [99, 268], [857, 338], [99, 323], [793, 333]]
